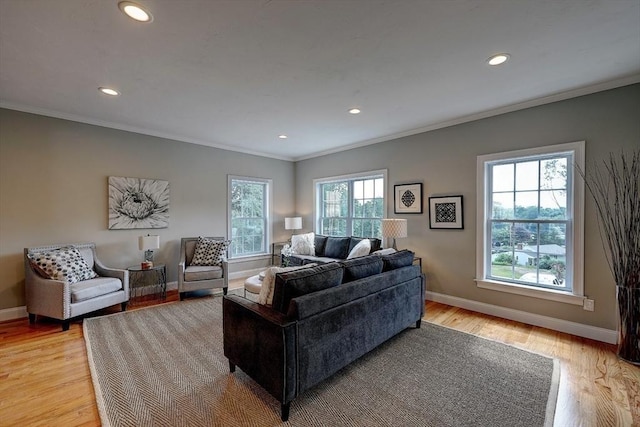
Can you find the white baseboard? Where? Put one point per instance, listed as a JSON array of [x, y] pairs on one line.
[[573, 328], [13, 313]]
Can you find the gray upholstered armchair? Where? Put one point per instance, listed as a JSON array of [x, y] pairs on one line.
[[197, 277], [64, 298]]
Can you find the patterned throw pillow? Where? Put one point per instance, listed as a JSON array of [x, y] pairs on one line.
[[66, 264], [210, 251]]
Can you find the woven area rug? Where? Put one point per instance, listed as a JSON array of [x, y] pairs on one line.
[[164, 366]]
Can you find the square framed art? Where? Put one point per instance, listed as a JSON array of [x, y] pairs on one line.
[[446, 212], [407, 198], [138, 203]]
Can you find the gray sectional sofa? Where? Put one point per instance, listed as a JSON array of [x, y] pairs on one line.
[[322, 318], [329, 249]]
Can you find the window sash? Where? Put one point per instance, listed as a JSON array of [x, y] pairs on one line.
[[572, 288], [248, 224], [564, 278], [514, 189], [340, 219]]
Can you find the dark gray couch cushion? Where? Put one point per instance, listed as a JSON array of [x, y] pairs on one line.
[[397, 259], [301, 282], [337, 247], [320, 242], [375, 243], [358, 268]]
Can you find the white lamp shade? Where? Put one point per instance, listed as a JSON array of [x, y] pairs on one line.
[[395, 228], [148, 242], [294, 223]]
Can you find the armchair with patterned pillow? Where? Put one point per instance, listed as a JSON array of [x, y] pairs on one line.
[[203, 264], [66, 281]]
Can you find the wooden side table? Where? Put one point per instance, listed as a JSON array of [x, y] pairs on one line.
[[150, 281]]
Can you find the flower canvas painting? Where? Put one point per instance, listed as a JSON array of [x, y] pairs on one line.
[[138, 203]]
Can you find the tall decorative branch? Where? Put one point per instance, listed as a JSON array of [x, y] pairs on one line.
[[616, 191], [615, 187]]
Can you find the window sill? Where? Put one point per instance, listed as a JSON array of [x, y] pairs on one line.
[[529, 291], [246, 258]]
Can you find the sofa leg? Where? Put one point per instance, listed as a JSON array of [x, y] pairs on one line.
[[284, 408], [123, 306], [181, 296], [232, 366], [32, 318], [418, 324], [65, 325], [224, 291]]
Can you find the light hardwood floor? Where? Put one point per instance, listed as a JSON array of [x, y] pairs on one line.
[[45, 378]]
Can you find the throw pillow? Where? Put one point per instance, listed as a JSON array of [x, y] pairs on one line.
[[66, 264], [303, 244], [210, 251], [398, 259], [297, 283], [266, 290], [385, 251], [376, 244], [359, 268], [361, 249], [319, 242], [337, 247]]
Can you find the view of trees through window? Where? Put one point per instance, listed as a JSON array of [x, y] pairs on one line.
[[528, 221], [351, 207], [248, 217]]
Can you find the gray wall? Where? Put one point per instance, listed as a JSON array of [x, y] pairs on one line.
[[53, 189], [445, 162]]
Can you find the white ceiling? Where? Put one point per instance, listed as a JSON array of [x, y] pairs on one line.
[[236, 74]]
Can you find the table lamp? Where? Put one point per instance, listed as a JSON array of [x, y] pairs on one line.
[[294, 223], [147, 244], [394, 228]]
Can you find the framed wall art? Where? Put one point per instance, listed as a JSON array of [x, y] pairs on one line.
[[138, 203], [407, 198], [445, 212]]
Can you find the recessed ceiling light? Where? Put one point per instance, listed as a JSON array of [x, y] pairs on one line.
[[108, 91], [135, 11], [498, 59], [283, 136], [354, 111]]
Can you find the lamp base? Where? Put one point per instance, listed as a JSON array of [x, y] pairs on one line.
[[148, 255]]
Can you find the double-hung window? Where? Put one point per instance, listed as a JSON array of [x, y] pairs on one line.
[[530, 226], [248, 216], [350, 205]]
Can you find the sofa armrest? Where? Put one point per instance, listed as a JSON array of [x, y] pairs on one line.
[[48, 297], [225, 272], [181, 268], [261, 342]]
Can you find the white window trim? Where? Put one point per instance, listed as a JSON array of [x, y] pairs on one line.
[[351, 176], [268, 233], [576, 296]]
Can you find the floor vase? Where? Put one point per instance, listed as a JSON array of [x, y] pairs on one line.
[[629, 327]]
